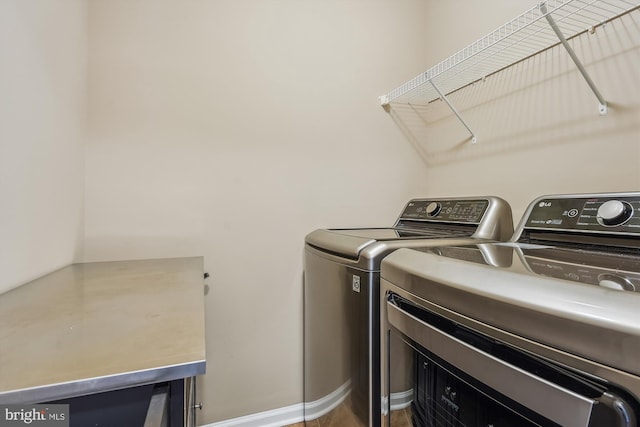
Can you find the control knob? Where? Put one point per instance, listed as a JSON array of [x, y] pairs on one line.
[[433, 208], [614, 212], [613, 281]]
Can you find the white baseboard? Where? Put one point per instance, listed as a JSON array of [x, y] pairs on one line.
[[296, 413], [290, 414], [326, 404], [273, 418], [399, 400]]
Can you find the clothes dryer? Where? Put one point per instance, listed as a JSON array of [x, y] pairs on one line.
[[543, 330]]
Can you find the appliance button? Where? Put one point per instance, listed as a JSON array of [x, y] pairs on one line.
[[614, 212], [433, 208], [614, 281]]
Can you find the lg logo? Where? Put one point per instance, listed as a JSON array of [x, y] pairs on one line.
[[544, 204]]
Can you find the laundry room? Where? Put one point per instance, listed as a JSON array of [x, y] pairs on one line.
[[225, 132]]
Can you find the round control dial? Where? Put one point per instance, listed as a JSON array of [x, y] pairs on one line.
[[614, 212], [613, 281], [434, 208]]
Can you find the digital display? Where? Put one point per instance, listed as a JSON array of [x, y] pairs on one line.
[[466, 211]]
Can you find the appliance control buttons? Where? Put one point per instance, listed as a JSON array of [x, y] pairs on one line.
[[614, 212], [434, 208], [614, 281]]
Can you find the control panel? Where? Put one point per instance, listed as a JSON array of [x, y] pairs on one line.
[[614, 214], [587, 274], [466, 211]]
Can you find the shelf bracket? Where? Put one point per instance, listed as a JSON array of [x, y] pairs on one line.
[[446, 100], [602, 108]]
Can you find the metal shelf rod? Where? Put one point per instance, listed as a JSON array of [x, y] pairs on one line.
[[603, 103], [445, 99]]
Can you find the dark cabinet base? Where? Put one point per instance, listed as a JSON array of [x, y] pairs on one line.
[[130, 407]]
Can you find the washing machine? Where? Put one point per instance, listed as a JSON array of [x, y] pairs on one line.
[[341, 298]]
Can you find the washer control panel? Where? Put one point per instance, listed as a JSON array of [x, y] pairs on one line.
[[467, 211], [611, 214]]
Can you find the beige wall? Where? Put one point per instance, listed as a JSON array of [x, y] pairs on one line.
[[231, 129], [43, 63]]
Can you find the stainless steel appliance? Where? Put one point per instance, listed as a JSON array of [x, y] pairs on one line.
[[541, 331], [341, 298]]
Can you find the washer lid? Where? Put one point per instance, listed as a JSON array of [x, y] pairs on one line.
[[349, 242], [348, 245]]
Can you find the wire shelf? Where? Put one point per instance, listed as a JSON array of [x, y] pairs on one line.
[[520, 38]]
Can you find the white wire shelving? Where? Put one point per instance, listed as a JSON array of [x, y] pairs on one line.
[[548, 24]]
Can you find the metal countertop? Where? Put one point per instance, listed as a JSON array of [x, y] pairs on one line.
[[95, 327]]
